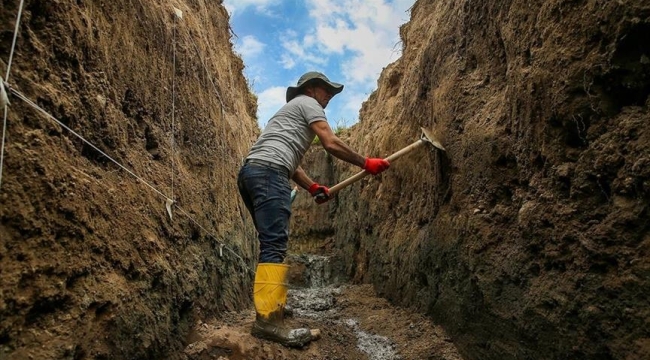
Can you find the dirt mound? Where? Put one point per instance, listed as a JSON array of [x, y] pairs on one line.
[[92, 265], [528, 238]]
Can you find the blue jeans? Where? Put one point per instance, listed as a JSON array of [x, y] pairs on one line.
[[267, 195]]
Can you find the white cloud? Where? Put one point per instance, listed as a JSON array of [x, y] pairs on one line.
[[250, 47], [348, 112], [261, 6], [325, 8], [296, 51], [287, 61], [354, 100], [269, 102], [350, 40], [362, 34], [366, 29]]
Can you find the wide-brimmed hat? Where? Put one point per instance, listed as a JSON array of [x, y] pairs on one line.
[[334, 88]]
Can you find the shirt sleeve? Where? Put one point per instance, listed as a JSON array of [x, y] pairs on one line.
[[312, 111]]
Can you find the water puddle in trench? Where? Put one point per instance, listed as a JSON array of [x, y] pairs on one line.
[[354, 323], [317, 300]]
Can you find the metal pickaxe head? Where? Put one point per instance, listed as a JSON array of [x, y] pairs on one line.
[[428, 137]]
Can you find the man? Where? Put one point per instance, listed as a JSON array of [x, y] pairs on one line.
[[264, 186]]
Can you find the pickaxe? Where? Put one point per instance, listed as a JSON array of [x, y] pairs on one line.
[[425, 138]]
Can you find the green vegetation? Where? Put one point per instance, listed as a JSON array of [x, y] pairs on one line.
[[340, 126]]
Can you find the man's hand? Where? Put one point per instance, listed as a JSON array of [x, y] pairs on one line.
[[320, 193], [375, 165]]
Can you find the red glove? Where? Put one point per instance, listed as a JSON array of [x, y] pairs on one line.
[[375, 165], [320, 193]]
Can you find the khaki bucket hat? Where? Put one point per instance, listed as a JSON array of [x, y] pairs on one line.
[[292, 91]]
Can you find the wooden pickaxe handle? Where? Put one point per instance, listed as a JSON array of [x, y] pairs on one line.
[[363, 173]]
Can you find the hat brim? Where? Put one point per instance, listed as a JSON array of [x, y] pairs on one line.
[[334, 88]]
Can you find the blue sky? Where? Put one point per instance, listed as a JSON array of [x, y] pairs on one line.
[[350, 41]]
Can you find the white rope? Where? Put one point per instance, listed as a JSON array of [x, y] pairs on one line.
[[214, 86], [2, 149], [205, 67], [35, 106], [11, 57], [13, 44], [215, 238], [173, 102]]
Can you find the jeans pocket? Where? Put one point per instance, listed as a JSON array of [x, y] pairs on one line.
[[255, 181]]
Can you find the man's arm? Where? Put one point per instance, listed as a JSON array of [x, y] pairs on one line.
[[318, 191], [336, 146], [301, 178]]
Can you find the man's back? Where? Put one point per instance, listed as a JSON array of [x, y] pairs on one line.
[[287, 136]]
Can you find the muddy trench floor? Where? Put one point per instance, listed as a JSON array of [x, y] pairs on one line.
[[354, 324]]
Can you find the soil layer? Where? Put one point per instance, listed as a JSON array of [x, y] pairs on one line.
[[93, 266], [529, 237]]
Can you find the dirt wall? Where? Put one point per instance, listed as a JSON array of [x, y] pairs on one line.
[[92, 265], [528, 238], [312, 226]]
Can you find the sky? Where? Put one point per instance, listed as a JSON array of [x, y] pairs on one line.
[[349, 41]]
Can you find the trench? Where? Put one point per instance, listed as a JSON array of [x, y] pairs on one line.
[[316, 299], [354, 323]]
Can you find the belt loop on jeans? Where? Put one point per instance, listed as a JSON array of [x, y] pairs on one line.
[[268, 164]]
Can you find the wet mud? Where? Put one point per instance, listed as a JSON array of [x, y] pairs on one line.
[[354, 324]]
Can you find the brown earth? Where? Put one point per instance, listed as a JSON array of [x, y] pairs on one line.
[[411, 336], [527, 239], [92, 265]]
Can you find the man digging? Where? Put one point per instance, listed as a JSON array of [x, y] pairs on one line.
[[263, 183]]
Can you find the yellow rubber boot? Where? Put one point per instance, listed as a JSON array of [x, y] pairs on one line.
[[270, 297]]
